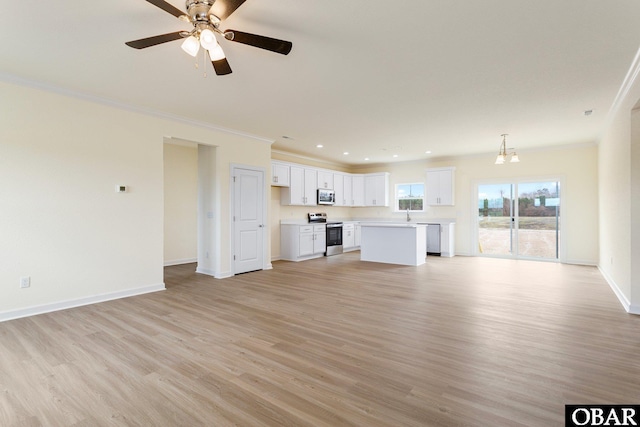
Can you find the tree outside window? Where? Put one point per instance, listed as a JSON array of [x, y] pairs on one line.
[[410, 197]]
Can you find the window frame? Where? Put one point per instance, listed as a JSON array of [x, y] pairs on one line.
[[396, 205]]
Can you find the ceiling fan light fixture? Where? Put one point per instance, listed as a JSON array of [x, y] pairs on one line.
[[216, 54], [191, 45], [208, 39], [205, 20]]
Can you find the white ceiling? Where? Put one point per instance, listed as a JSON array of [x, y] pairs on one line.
[[374, 78]]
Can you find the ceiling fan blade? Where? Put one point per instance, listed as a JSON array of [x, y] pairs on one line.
[[223, 8], [274, 45], [152, 41], [222, 67], [167, 7]]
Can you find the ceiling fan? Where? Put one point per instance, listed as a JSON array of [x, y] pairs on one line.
[[206, 16]]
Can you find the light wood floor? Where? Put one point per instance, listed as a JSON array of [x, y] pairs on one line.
[[330, 342]]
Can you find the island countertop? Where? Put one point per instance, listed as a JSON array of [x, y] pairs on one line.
[[392, 224]]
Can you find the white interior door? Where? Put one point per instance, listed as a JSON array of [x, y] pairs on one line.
[[248, 216]]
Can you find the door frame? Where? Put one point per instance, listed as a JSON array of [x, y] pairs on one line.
[[515, 181], [266, 262]]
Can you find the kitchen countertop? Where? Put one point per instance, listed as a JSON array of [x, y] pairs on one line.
[[363, 221], [392, 224]]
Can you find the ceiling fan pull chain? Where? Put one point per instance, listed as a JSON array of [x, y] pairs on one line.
[[204, 63]]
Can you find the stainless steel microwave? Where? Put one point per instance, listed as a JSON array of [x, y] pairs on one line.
[[326, 197]]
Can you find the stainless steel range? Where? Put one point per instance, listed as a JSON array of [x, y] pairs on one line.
[[334, 233]]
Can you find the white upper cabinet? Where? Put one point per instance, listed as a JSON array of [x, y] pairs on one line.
[[310, 186], [325, 180], [357, 188], [302, 188], [440, 186], [376, 189], [338, 188], [348, 190], [280, 174], [300, 185]]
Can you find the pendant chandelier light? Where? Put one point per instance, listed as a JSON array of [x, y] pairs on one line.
[[502, 153]]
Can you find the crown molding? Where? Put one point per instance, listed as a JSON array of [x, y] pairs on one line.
[[309, 158], [626, 86], [20, 81]]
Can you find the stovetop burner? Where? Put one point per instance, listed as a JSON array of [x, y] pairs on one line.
[[317, 217]]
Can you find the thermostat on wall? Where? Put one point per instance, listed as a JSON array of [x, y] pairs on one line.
[[121, 188]]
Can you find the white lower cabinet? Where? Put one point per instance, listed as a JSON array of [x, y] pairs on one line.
[[300, 242], [447, 240], [348, 236]]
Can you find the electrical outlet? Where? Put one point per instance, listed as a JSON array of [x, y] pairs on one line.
[[25, 282]]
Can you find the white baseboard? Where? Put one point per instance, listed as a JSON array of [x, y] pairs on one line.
[[621, 297], [205, 271], [580, 262], [180, 261], [63, 305], [223, 275], [213, 273]]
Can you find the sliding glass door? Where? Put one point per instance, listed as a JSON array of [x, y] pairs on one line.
[[495, 219], [519, 219]]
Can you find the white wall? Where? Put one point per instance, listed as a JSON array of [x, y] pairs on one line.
[[180, 202], [63, 224], [619, 156], [208, 211], [635, 211]]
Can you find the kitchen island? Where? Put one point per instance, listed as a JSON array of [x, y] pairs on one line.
[[393, 243]]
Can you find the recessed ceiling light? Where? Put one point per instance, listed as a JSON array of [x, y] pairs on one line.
[[319, 146], [346, 153], [395, 155], [366, 158], [427, 152]]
